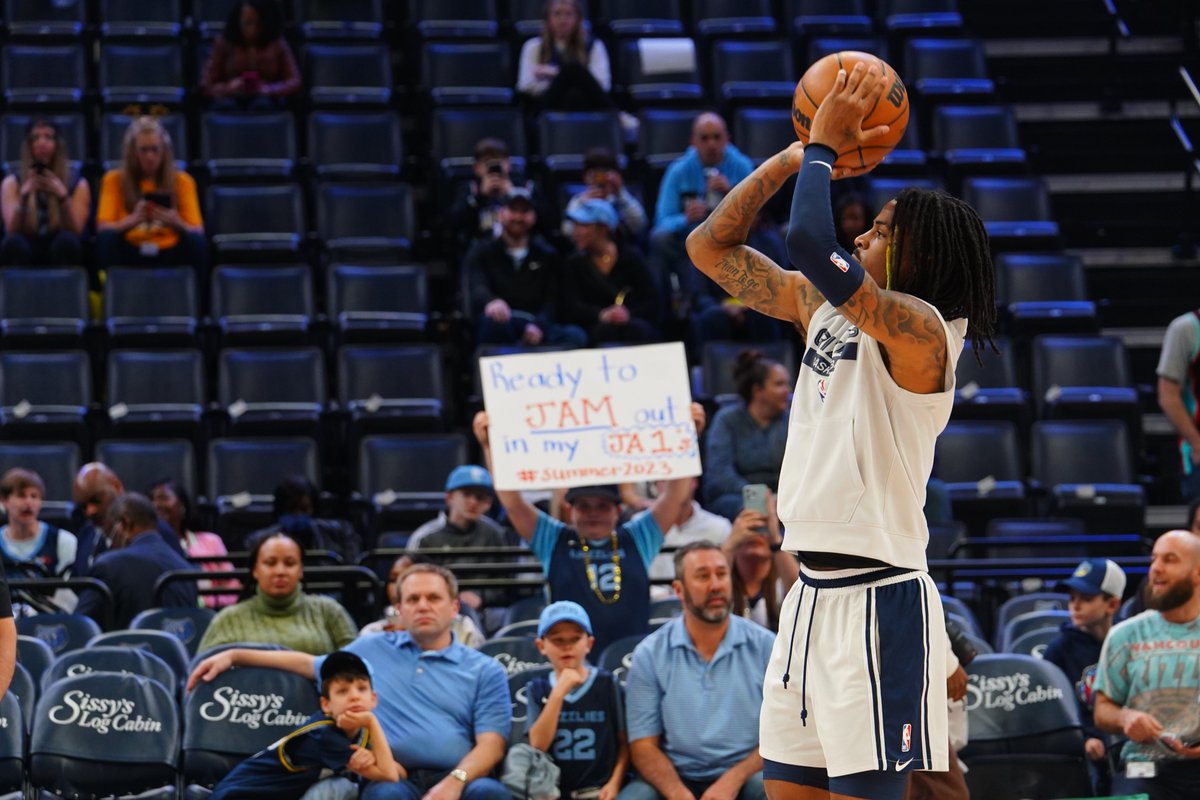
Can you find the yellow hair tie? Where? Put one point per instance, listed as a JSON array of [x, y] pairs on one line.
[[887, 262]]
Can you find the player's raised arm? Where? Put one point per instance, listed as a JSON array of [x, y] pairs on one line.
[[718, 247]]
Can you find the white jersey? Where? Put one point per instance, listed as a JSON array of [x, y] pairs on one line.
[[860, 448]]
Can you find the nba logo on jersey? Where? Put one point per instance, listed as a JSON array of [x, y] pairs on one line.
[[839, 262], [906, 738]]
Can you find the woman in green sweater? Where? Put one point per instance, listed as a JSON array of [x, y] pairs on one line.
[[279, 612]]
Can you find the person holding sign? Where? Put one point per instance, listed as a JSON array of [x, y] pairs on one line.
[[597, 563], [855, 694]]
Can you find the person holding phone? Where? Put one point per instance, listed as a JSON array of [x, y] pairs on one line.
[[762, 571], [149, 212], [564, 68], [44, 204], [251, 65], [603, 181], [746, 441], [855, 696]]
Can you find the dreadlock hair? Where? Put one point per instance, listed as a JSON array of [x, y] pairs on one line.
[[950, 262]]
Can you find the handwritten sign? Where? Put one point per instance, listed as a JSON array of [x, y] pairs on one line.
[[584, 417]]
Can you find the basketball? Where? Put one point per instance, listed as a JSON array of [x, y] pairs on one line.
[[891, 110]]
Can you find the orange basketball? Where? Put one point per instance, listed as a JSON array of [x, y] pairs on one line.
[[891, 110]]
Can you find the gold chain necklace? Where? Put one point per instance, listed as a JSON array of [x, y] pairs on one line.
[[591, 571]]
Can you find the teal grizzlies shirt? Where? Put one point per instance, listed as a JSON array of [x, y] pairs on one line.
[[1151, 665]]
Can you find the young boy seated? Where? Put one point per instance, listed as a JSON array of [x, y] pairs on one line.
[[1096, 588], [575, 713], [345, 735]]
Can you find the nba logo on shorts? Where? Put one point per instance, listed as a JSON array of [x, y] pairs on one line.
[[906, 738]]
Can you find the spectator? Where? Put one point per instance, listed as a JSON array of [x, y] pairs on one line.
[[694, 690], [444, 708], [762, 571], [597, 563], [25, 537], [295, 506], [515, 282], [1179, 396], [278, 610], [174, 508], [45, 207], [95, 490], [602, 174], [465, 631], [692, 524], [345, 734], [1096, 588], [577, 705], [1137, 603], [747, 439], [251, 65], [606, 289], [149, 212], [1146, 682], [563, 68], [136, 559], [468, 499], [851, 217], [475, 213], [691, 188]]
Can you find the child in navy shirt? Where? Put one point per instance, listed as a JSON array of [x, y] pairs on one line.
[[575, 713], [345, 734]]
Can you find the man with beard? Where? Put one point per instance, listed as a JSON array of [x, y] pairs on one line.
[[694, 689], [1149, 677]]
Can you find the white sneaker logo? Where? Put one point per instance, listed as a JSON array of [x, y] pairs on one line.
[[900, 765]]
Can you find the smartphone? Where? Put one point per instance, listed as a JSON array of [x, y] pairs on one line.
[[495, 168], [39, 167], [161, 199], [754, 497]]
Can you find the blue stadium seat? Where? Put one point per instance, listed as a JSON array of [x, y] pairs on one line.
[[1044, 293], [811, 18], [883, 189], [37, 18], [186, 624], [566, 136], [625, 18], [377, 303], [733, 18], [401, 478], [255, 220], [140, 18], [339, 19], [13, 735], [260, 145], [209, 16], [62, 631], [218, 734], [636, 75], [24, 691], [988, 387], [618, 657], [348, 74], [526, 608], [355, 145], [151, 306], [392, 388], [973, 137], [940, 69], [375, 221], [455, 19], [1033, 643], [241, 475], [759, 131], [45, 395], [165, 646], [1031, 621], [518, 688], [664, 134], [1015, 211], [456, 130], [1027, 748], [717, 360], [51, 75], [99, 657], [43, 307], [1085, 377], [526, 627], [1086, 469], [467, 73], [752, 72], [272, 391], [821, 46], [261, 304], [141, 73], [924, 16], [143, 462], [36, 655], [981, 463], [156, 393], [515, 653]]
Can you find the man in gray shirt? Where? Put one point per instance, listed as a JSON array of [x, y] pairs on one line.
[[1179, 397]]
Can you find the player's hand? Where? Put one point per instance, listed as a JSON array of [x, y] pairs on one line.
[[956, 684], [849, 172], [838, 121], [480, 427], [1140, 726], [362, 759], [723, 789], [497, 310], [210, 668], [446, 789], [1094, 749]]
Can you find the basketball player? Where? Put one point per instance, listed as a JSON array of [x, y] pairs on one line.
[[855, 694]]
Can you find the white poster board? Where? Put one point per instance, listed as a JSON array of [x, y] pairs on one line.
[[585, 417]]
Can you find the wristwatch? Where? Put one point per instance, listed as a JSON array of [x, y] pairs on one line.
[[459, 775]]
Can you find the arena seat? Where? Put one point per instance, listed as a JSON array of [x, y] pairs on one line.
[[401, 478], [515, 653], [982, 465], [811, 18], [259, 305], [373, 221], [13, 735], [45, 395], [241, 475], [455, 19], [355, 145], [150, 74], [526, 627], [186, 624], [339, 19], [1015, 210], [1033, 643], [24, 691], [98, 657], [664, 134], [467, 73], [566, 136], [120, 19], [377, 303], [1085, 377], [392, 388], [635, 77], [35, 655], [1021, 624], [1044, 293], [1026, 603], [62, 631], [37, 18], [237, 145], [166, 646], [625, 18], [941, 69], [42, 75], [733, 18], [618, 656], [143, 462], [348, 74], [158, 393], [989, 387], [272, 390], [759, 131], [255, 221], [518, 683], [43, 307]]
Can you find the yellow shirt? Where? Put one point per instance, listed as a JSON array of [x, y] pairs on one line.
[[112, 209]]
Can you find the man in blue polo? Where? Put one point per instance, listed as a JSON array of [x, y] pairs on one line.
[[444, 707], [694, 689]]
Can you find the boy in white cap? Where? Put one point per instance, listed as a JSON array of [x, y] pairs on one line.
[[575, 714], [1096, 588]]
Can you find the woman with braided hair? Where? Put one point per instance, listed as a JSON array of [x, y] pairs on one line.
[[855, 695]]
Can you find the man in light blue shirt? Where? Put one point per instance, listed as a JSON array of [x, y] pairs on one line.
[[444, 707], [694, 691]]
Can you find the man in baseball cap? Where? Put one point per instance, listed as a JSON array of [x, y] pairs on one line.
[[1096, 587]]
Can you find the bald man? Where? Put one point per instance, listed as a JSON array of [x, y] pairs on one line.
[[96, 487], [1148, 678]]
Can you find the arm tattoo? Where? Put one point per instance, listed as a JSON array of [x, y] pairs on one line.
[[900, 322]]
